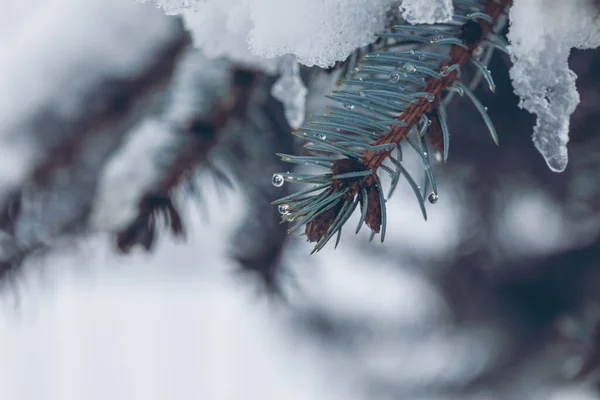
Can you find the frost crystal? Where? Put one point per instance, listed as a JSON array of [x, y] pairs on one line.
[[542, 34], [290, 90], [427, 11]]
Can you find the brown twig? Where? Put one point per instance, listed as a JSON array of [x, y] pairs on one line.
[[204, 133]]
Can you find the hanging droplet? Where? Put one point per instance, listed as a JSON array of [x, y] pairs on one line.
[[429, 122], [444, 71], [485, 108], [360, 79], [424, 154], [430, 97], [337, 129], [412, 52], [321, 136], [394, 77], [408, 67], [349, 106], [277, 180], [422, 57], [438, 156], [433, 198], [283, 209], [356, 69]]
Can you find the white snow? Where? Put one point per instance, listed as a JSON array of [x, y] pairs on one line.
[[317, 32], [542, 34], [427, 11], [290, 90]]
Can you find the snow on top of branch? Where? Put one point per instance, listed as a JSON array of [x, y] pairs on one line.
[[317, 32], [542, 34]]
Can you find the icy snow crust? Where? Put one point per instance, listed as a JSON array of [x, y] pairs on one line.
[[542, 34], [317, 32]]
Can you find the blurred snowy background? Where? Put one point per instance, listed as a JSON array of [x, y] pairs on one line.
[[104, 107]]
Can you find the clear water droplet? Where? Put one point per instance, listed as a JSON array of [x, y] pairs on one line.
[[485, 108], [412, 52], [360, 79], [429, 122], [430, 97], [394, 77], [337, 129], [422, 57], [356, 69], [408, 67], [424, 154], [321, 136], [349, 106], [438, 156], [433, 198], [436, 39], [283, 209], [478, 51], [444, 71], [277, 180]]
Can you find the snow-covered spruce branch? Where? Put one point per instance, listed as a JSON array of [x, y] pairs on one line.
[[403, 88]]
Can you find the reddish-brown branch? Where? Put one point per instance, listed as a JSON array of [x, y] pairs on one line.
[[459, 55]]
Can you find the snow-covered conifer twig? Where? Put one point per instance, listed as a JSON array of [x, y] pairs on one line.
[[395, 96]]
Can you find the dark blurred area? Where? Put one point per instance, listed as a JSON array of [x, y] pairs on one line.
[[507, 267]]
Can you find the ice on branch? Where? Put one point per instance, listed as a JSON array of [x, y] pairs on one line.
[[542, 34], [427, 11], [290, 90]]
